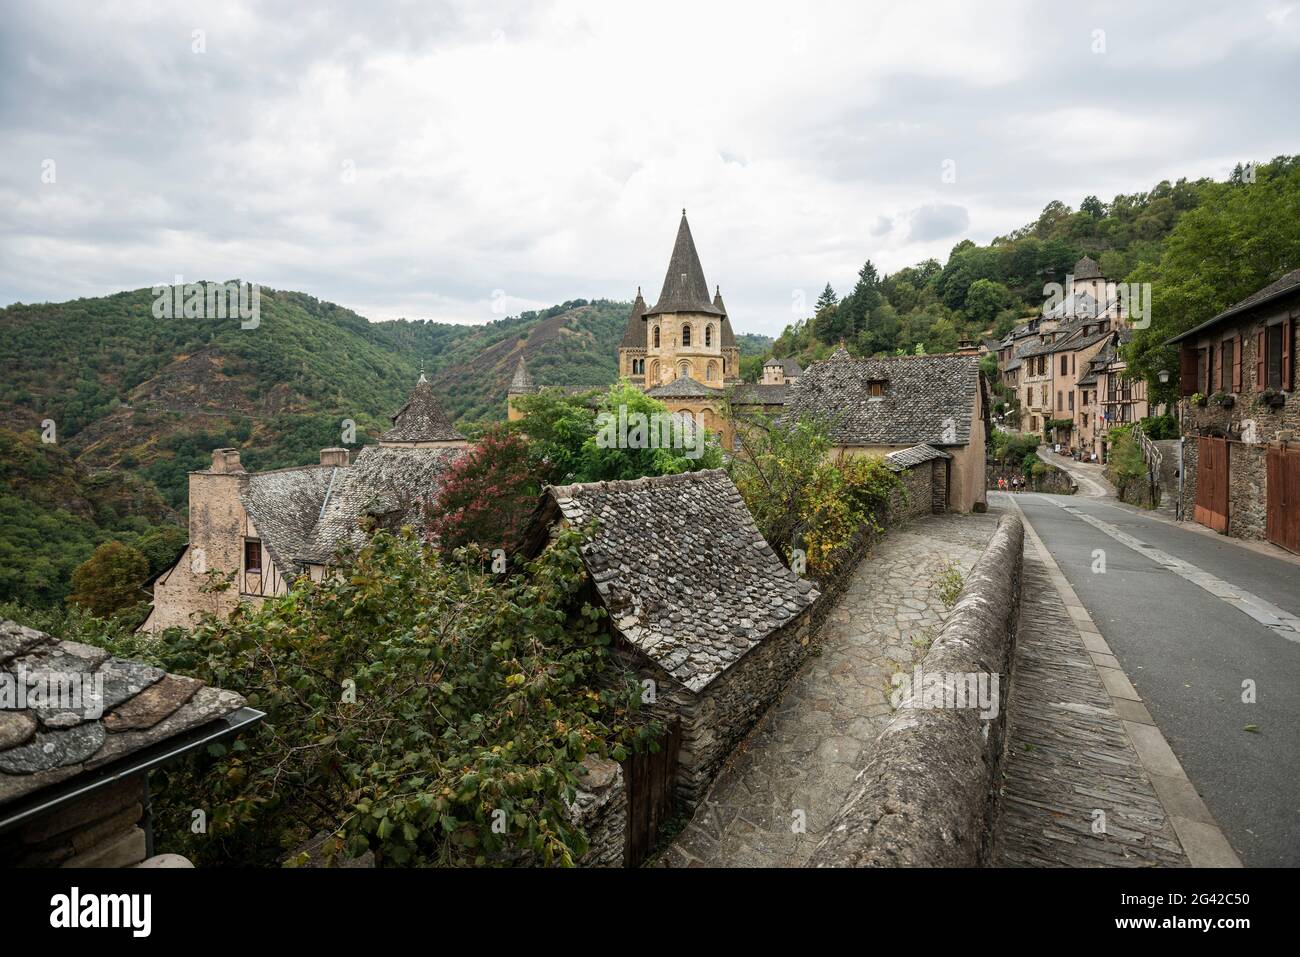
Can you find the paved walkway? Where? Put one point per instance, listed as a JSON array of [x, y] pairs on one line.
[[771, 804], [1076, 792], [1089, 476]]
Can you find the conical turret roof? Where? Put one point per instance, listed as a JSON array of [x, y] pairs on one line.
[[684, 289], [728, 336], [634, 334], [421, 419], [522, 381]]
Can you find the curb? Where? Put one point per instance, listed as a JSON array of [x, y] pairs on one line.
[[1203, 841]]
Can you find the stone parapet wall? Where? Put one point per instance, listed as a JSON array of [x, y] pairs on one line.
[[600, 807], [1055, 481], [928, 796]]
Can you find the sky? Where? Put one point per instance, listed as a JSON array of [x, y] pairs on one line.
[[461, 162]]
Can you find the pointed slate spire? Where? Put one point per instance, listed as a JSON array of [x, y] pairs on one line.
[[728, 336], [522, 383], [421, 419], [634, 334], [684, 289]]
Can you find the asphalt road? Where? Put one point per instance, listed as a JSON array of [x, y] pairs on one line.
[[1188, 652]]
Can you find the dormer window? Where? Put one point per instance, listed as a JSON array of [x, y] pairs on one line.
[[876, 387], [253, 556]]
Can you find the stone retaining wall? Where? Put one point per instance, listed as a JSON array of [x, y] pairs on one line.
[[102, 829], [1055, 481], [928, 795]]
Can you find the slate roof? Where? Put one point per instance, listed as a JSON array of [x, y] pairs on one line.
[[925, 398], [682, 569], [727, 337], [759, 394], [684, 387], [1087, 268], [421, 419], [906, 458], [285, 506], [41, 745], [789, 365], [392, 483], [685, 289], [521, 382], [1288, 283], [634, 334]]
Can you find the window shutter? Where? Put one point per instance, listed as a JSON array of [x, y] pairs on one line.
[[1236, 364], [1187, 374], [1288, 332], [1218, 364], [1260, 381]]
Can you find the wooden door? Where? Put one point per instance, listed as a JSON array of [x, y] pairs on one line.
[[651, 778], [1282, 522], [1212, 483]]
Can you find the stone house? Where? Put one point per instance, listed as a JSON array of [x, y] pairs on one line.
[[880, 406], [1241, 447], [261, 530], [781, 371], [699, 604], [76, 750]]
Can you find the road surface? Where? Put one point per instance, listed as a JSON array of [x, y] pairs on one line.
[[1208, 631]]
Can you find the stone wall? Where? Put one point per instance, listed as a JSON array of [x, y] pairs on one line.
[[101, 829], [1247, 460], [600, 807], [714, 721], [927, 797]]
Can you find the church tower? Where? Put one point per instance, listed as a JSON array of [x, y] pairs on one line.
[[686, 333]]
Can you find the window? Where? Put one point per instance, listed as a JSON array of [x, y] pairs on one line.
[[708, 335], [1273, 356], [1060, 401], [656, 337], [712, 372], [686, 334], [875, 387], [684, 369], [1225, 365], [253, 556], [1065, 365], [1071, 401]]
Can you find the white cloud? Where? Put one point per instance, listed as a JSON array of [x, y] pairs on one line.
[[414, 159]]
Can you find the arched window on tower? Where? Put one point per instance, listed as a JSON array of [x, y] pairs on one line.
[[686, 334], [708, 335], [656, 337], [684, 369]]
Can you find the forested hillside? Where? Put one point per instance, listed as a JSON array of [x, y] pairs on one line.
[[1245, 229]]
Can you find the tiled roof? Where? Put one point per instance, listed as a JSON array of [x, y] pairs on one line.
[[634, 334], [1288, 283], [906, 458], [682, 569], [1087, 268], [789, 365], [521, 382], [684, 288], [392, 483], [42, 744], [285, 506], [926, 398], [421, 419], [759, 394], [683, 387]]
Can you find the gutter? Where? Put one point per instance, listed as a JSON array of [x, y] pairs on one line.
[[84, 785]]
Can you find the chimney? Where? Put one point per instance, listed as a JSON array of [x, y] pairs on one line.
[[226, 460], [335, 457]]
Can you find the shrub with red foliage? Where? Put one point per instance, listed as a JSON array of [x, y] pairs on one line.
[[487, 495]]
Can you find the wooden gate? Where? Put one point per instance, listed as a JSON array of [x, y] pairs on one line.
[[1212, 483], [1282, 524], [650, 779]]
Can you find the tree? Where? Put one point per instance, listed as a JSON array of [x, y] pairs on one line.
[[858, 306], [487, 495], [827, 298], [985, 300], [110, 579], [557, 425], [636, 455]]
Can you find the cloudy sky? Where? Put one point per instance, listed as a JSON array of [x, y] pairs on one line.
[[459, 161]]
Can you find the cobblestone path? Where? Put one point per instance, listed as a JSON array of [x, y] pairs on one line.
[[770, 805], [1069, 759]]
